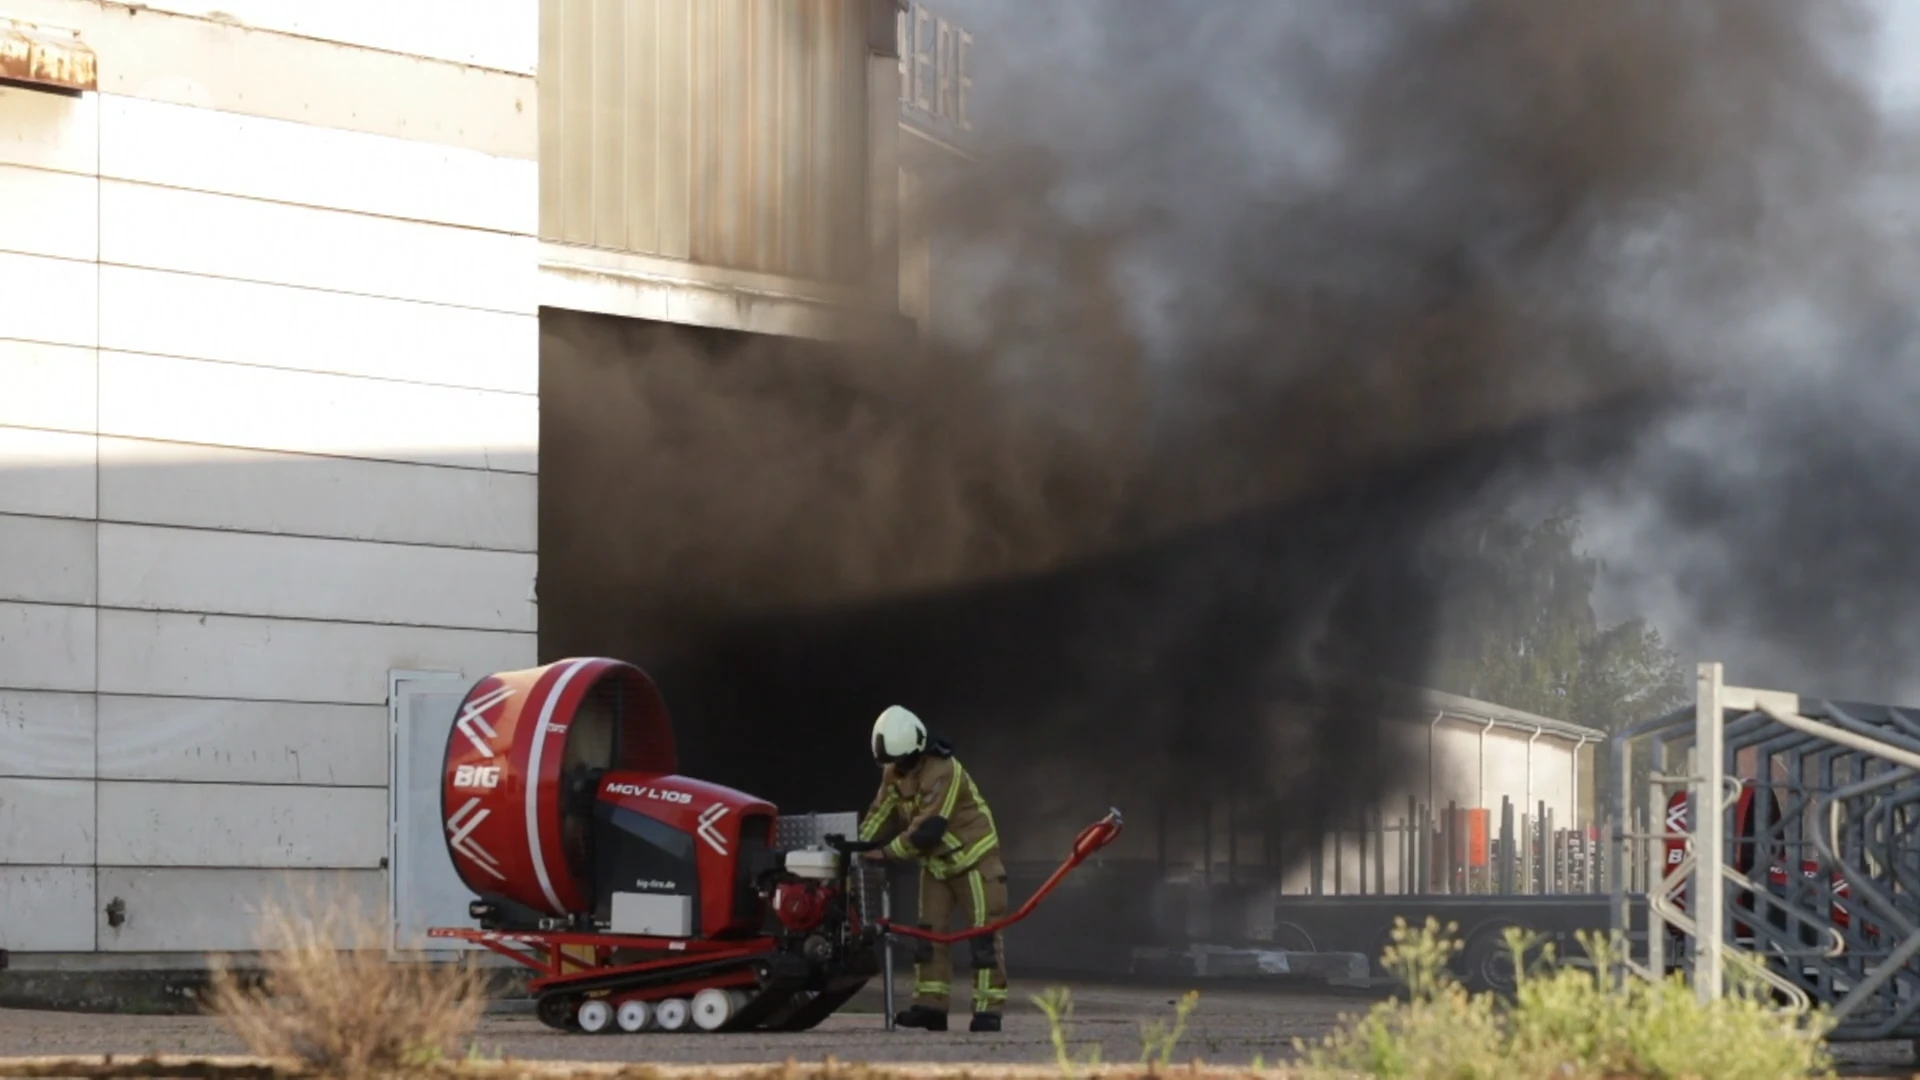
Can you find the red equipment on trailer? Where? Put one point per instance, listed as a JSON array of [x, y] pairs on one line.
[[1755, 838], [643, 899]]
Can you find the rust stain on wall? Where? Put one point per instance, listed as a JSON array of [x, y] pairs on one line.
[[45, 56]]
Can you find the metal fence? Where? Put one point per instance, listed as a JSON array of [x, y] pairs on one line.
[[1806, 872], [1454, 850]]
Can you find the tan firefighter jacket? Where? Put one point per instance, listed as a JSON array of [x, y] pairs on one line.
[[943, 822]]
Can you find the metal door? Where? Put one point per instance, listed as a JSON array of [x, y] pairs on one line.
[[425, 891]]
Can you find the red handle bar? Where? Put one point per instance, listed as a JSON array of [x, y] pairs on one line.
[[1091, 839]]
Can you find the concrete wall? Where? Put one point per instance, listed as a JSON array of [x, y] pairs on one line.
[[269, 430]]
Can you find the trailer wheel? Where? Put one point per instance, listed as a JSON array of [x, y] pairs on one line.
[[1292, 937], [1489, 964], [1377, 952]]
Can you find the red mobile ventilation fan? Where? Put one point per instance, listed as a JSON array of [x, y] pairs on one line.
[[647, 900]]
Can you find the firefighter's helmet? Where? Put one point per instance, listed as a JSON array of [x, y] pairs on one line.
[[897, 734]]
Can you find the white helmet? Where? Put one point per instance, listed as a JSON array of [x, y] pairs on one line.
[[897, 734]]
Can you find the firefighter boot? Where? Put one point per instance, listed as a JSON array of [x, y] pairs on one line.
[[922, 1016], [985, 1021]]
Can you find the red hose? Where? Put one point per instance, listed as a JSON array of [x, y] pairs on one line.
[[1091, 840]]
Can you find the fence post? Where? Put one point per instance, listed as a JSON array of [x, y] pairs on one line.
[[1319, 872], [1607, 869], [1233, 842], [1591, 841], [1506, 845], [1362, 833], [1423, 848], [1523, 851], [1553, 850], [1404, 865], [1409, 843], [1380, 851], [1540, 823], [1339, 862]]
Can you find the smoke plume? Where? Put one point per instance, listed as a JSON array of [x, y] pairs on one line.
[[1243, 302]]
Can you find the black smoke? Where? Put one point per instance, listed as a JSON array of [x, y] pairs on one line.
[[1252, 299]]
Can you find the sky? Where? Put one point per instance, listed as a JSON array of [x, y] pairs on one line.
[[1900, 52]]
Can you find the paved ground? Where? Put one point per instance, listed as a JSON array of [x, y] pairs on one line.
[[1231, 1026]]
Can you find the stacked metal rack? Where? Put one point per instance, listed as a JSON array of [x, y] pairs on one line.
[[1806, 875]]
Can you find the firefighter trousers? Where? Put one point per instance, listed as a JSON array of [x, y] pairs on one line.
[[981, 898]]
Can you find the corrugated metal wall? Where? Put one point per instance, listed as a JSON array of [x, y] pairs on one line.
[[727, 132], [916, 269]]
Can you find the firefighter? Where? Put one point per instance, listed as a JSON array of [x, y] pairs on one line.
[[931, 808]]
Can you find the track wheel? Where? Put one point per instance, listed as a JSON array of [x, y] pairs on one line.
[[595, 1016], [633, 1016], [671, 1014], [554, 1012], [712, 1008]]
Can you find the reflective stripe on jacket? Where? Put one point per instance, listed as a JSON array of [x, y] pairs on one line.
[[934, 814]]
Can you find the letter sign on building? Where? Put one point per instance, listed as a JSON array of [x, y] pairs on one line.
[[934, 83]]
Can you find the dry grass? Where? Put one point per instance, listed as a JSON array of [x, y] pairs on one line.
[[329, 1001], [237, 1069]]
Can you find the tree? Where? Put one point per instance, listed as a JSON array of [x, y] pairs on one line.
[[1521, 630], [1627, 674]]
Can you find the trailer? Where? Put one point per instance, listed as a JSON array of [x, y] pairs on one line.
[[1127, 918]]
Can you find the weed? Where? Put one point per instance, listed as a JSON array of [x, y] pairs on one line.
[[1573, 1022], [332, 1000], [1157, 1041], [1057, 1003]]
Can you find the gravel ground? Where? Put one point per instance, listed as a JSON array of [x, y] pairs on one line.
[[1231, 1026]]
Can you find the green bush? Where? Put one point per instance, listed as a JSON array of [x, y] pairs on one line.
[[1566, 1022]]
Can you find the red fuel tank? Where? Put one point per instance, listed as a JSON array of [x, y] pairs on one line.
[[519, 782]]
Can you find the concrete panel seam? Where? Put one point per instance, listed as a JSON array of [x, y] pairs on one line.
[[530, 313], [270, 201], [242, 531], [328, 374], [268, 618], [154, 781], [156, 695], [305, 453], [134, 7]]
